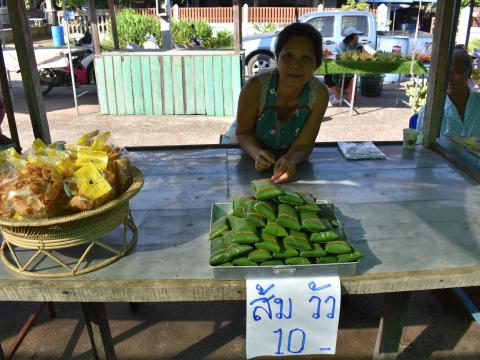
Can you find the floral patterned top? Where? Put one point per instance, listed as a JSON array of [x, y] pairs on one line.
[[271, 130]]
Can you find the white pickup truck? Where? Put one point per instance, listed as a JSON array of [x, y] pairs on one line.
[[259, 48]]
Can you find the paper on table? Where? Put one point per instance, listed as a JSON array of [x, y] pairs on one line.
[[360, 151], [292, 316]]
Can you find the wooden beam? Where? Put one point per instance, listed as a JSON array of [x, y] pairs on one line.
[[443, 42], [28, 67], [98, 329], [113, 23], [237, 26], [7, 99], [92, 13], [470, 14], [391, 325]]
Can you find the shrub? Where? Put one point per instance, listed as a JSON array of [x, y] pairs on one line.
[[223, 39], [183, 32], [473, 44], [132, 27], [265, 27]]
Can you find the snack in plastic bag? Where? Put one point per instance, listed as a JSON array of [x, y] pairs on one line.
[[36, 192]]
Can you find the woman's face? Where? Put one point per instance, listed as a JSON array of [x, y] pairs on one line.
[[296, 61], [458, 78]]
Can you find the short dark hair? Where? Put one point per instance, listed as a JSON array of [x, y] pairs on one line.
[[303, 30], [349, 38], [463, 55]]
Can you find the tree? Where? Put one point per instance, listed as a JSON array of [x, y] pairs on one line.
[[466, 3], [356, 5]]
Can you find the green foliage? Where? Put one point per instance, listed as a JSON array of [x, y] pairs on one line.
[[132, 27], [70, 4], [417, 94], [356, 5], [473, 44], [223, 39], [466, 3], [265, 27], [28, 4], [184, 30]]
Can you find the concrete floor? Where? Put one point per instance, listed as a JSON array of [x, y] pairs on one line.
[[217, 330]]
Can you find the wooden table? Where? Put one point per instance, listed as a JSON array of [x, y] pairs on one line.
[[414, 216]]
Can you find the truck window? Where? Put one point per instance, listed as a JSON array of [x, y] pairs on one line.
[[324, 24], [360, 22]]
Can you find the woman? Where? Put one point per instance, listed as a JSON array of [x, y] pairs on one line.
[[280, 111], [462, 105], [349, 43]]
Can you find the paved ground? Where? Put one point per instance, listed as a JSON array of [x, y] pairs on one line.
[[378, 119], [217, 330]]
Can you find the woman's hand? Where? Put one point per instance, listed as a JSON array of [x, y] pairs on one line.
[[284, 170], [264, 160]]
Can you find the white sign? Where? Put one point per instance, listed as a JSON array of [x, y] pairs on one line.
[[292, 316]]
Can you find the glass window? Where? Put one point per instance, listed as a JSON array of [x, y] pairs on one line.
[[359, 22], [324, 24]]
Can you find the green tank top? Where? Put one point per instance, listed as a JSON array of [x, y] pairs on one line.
[[274, 132]]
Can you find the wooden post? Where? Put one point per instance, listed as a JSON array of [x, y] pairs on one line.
[[467, 39], [113, 23], [446, 22], [92, 12], [28, 67], [7, 99], [96, 322], [237, 27], [391, 325]]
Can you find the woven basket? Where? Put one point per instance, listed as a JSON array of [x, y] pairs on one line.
[[44, 237]]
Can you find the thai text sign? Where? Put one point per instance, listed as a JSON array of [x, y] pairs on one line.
[[292, 316]]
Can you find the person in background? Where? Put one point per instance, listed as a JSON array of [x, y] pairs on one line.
[[280, 111], [462, 105], [4, 140], [349, 43]]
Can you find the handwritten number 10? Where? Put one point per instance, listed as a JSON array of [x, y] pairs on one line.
[[289, 343]]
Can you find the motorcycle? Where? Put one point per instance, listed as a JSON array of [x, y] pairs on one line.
[[83, 68]]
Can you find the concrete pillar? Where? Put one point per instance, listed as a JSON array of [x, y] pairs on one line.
[[175, 12], [245, 13], [463, 25], [52, 18]]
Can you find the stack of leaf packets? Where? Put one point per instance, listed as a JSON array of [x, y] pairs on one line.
[[277, 226]]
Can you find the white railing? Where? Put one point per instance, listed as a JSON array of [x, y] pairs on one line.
[[79, 25]]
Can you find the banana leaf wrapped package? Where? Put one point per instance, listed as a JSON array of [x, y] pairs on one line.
[[267, 208], [265, 189], [253, 217], [288, 218]]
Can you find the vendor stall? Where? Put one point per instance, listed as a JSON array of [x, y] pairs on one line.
[[427, 208]]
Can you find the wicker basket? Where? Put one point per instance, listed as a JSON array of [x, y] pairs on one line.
[[37, 240]]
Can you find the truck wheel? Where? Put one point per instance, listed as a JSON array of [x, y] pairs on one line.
[[259, 63]]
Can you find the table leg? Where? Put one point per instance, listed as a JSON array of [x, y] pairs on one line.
[[391, 325], [341, 90], [98, 330], [398, 90], [352, 97]]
